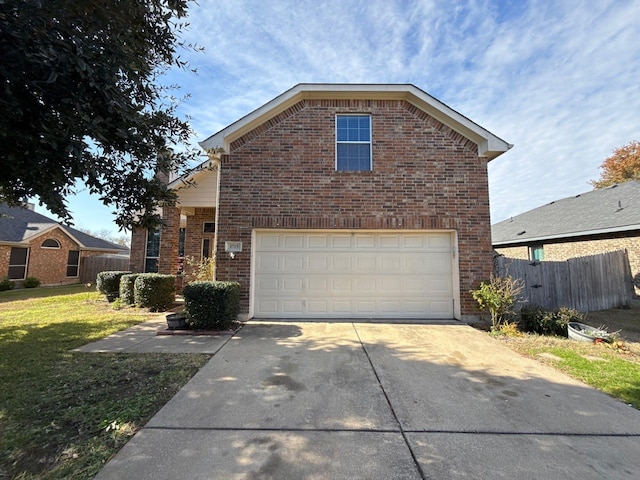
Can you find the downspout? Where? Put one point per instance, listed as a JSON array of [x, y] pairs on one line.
[[216, 158]]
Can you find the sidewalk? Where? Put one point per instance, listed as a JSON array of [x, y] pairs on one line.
[[144, 338]]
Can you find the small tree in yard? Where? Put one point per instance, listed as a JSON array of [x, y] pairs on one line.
[[499, 296], [622, 166]]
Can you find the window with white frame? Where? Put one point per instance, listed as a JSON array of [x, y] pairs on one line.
[[51, 243], [536, 253], [353, 143], [152, 251]]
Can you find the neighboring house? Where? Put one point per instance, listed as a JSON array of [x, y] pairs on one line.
[[32, 245], [595, 222], [339, 201]]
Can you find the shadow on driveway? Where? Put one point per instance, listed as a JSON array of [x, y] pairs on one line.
[[380, 401]]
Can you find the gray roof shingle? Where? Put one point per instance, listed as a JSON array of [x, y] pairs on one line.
[[19, 225], [611, 209]]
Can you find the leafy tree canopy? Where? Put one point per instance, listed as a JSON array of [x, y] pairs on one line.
[[80, 103], [623, 165]]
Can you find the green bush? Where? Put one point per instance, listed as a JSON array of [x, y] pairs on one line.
[[154, 291], [499, 296], [31, 282], [127, 288], [109, 283], [211, 305], [6, 284], [542, 321]]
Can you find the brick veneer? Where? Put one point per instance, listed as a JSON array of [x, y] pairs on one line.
[[49, 265], [138, 250], [194, 233], [425, 176]]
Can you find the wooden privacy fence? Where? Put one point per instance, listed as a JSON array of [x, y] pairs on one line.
[[596, 282], [91, 266]]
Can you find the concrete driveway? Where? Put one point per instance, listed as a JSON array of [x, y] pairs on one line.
[[378, 401]]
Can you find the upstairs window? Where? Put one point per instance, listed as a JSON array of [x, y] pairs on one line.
[[353, 143]]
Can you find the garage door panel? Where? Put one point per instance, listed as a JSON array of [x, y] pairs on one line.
[[353, 274], [364, 241], [294, 262], [293, 285], [269, 284], [268, 263], [293, 307], [317, 263], [340, 241], [317, 241]]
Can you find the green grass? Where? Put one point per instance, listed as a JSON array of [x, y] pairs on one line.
[[63, 414], [611, 368]]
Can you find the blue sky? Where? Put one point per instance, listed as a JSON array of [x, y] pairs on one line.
[[558, 79]]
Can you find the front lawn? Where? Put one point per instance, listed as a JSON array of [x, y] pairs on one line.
[[63, 414], [613, 368]]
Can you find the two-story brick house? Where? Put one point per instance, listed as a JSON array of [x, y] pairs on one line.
[[339, 201]]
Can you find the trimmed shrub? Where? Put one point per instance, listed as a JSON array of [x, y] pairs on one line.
[[154, 291], [127, 288], [211, 305], [31, 282], [109, 283], [539, 320], [6, 284]]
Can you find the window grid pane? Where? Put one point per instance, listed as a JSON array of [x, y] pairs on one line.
[[353, 147]]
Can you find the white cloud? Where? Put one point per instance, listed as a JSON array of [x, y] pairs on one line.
[[557, 79]]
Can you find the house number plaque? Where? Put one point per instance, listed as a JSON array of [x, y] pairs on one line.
[[232, 247]]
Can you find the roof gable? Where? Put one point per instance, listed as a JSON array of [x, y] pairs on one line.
[[20, 225], [489, 145], [607, 210]]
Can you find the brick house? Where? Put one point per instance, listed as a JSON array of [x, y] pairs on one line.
[[32, 245], [594, 222], [339, 201]]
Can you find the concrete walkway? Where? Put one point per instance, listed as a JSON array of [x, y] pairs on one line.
[[144, 338], [379, 401]]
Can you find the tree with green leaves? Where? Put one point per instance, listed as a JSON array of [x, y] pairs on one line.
[[623, 165], [81, 104]]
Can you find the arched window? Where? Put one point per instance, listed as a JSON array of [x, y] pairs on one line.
[[50, 243]]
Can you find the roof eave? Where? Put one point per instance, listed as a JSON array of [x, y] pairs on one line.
[[626, 228], [489, 145]]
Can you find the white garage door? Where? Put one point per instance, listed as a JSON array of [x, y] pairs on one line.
[[319, 274]]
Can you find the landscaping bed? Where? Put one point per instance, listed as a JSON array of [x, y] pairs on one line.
[[612, 367]]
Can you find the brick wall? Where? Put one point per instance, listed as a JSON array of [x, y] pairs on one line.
[[5, 253], [49, 265], [138, 249], [521, 252], [194, 233], [168, 261], [425, 176]]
